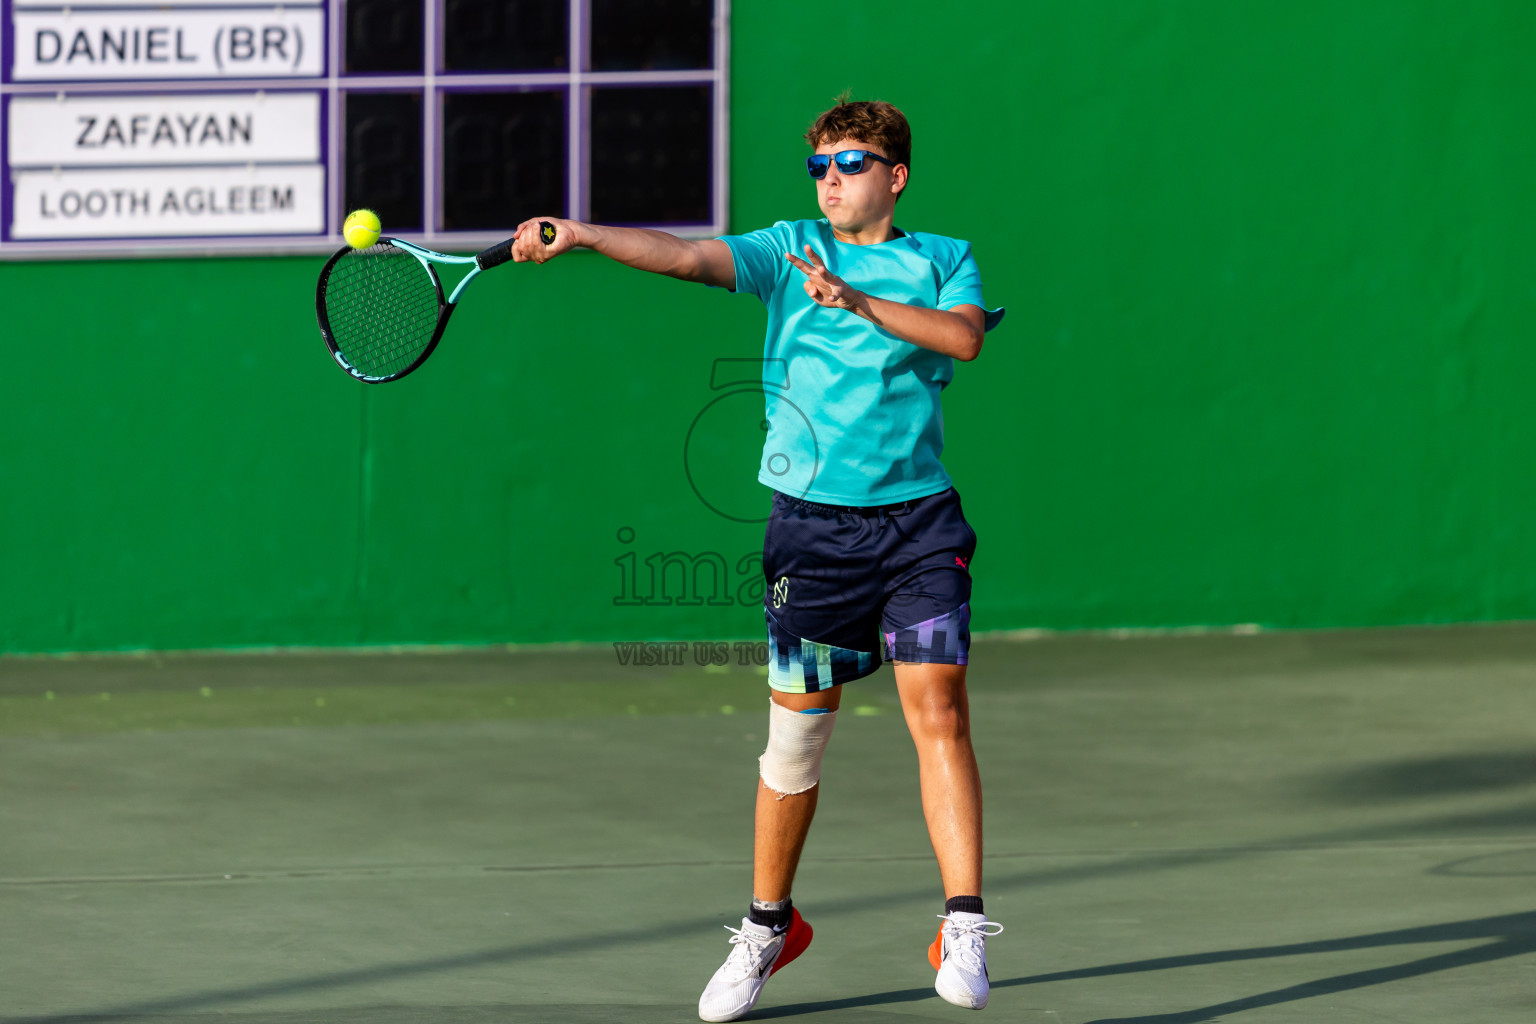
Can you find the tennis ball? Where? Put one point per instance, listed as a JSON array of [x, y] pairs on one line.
[[361, 228]]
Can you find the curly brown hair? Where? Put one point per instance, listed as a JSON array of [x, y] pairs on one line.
[[869, 121]]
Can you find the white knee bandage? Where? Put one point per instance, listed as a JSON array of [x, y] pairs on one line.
[[796, 741]]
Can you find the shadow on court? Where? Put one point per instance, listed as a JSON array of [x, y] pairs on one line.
[[1500, 937], [1417, 778], [1179, 830], [1512, 935]]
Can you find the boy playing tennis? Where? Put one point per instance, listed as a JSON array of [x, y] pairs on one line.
[[870, 557]]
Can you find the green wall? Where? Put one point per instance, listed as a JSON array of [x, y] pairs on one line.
[[1270, 277]]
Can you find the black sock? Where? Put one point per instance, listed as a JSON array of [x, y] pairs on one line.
[[775, 915], [963, 905]]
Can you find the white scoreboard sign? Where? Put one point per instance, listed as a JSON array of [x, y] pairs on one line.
[[178, 128], [168, 202], [91, 45], [164, 124]]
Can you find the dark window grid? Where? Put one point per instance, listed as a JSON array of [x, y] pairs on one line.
[[433, 127], [441, 143], [384, 164], [520, 79], [711, 167], [623, 35], [579, 32], [578, 134], [541, 44], [383, 38]]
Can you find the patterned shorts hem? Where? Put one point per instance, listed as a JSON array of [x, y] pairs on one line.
[[798, 665], [942, 640]]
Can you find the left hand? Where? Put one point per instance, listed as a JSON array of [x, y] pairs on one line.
[[824, 287]]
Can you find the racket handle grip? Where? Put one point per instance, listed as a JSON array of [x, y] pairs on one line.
[[499, 253]]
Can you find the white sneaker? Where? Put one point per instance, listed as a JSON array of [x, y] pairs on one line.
[[758, 952], [959, 954]]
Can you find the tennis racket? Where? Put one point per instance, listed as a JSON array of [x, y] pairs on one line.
[[381, 309]]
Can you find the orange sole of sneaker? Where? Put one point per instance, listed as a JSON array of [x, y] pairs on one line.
[[936, 951], [795, 942]]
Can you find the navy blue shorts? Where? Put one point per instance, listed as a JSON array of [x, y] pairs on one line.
[[846, 587]]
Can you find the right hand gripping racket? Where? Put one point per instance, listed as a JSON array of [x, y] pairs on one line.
[[381, 309]]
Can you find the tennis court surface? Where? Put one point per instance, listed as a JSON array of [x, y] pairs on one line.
[[1271, 828]]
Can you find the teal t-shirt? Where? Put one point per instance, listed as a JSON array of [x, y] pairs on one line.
[[853, 411]]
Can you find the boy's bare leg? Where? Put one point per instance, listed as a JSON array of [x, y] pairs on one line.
[[781, 824], [938, 716]]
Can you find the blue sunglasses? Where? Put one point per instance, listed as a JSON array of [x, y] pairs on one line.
[[849, 161]]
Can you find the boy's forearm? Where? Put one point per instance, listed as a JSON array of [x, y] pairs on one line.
[[941, 330], [644, 249]]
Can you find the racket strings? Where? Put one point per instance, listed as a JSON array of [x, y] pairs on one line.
[[383, 309]]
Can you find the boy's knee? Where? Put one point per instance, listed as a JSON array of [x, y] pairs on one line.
[[796, 742], [941, 719]]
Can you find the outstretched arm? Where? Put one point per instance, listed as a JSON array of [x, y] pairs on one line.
[[707, 262], [955, 332]]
